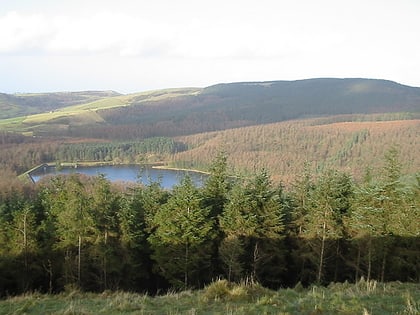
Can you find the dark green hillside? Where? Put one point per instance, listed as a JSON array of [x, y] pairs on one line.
[[27, 104], [282, 100]]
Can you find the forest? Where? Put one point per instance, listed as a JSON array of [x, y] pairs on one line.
[[89, 233]]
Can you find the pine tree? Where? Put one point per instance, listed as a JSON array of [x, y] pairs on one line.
[[24, 239], [253, 224], [18, 242], [136, 220], [361, 225], [68, 202], [182, 236], [301, 193], [104, 208], [329, 201], [398, 216], [238, 223], [217, 186]]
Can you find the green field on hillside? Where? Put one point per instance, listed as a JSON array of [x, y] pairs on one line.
[[82, 114]]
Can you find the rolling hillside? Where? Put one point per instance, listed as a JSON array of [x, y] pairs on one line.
[[14, 105], [175, 112], [283, 148]]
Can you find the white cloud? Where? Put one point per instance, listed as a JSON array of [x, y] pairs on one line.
[[209, 35], [20, 33], [102, 32], [185, 42]]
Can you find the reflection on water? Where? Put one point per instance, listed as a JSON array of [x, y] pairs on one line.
[[127, 173]]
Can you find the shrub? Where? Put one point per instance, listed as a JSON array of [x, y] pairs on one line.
[[218, 290]]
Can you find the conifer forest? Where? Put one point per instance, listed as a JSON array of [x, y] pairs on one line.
[[95, 235]]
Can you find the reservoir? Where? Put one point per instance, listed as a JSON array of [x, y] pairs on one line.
[[126, 173]]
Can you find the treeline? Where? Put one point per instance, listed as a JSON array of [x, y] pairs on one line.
[[127, 152], [85, 232], [19, 154], [11, 137]]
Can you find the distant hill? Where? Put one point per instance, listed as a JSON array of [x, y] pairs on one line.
[[175, 112], [13, 105], [280, 100]]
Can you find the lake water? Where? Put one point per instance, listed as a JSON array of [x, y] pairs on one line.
[[126, 173]]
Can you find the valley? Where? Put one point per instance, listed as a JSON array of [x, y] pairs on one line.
[[345, 124]]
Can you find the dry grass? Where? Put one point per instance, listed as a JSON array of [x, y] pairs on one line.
[[222, 297]]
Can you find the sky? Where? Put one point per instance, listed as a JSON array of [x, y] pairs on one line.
[[131, 46]]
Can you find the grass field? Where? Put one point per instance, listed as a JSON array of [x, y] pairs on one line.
[[86, 113], [364, 298]]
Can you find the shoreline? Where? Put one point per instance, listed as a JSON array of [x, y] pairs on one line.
[[163, 167], [157, 165]]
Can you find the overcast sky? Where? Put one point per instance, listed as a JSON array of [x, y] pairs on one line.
[[130, 46]]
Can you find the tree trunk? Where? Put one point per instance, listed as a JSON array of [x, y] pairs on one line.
[[383, 267], [369, 259], [105, 261], [357, 262], [337, 255], [186, 266], [254, 263], [25, 253], [48, 268], [79, 260], [321, 255], [25, 243]]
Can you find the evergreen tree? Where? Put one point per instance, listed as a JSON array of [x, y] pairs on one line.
[[253, 224], [136, 218], [23, 240], [69, 203], [238, 223], [104, 208], [361, 227], [18, 243], [329, 201], [382, 213], [182, 237], [398, 216], [300, 199], [217, 186]]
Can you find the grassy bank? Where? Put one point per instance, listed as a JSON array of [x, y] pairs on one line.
[[222, 297]]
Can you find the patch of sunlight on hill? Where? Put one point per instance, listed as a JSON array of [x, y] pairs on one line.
[[159, 95], [11, 124], [361, 87], [99, 104], [84, 114]]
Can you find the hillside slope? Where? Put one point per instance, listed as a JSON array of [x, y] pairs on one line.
[[188, 111], [282, 100], [13, 105], [283, 148], [232, 105]]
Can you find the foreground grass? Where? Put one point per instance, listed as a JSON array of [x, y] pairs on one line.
[[364, 298]]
